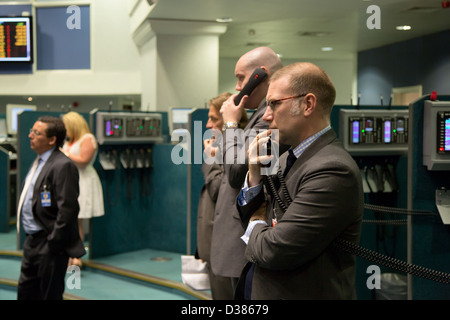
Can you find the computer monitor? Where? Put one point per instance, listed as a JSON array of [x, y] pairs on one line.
[[12, 112], [179, 118]]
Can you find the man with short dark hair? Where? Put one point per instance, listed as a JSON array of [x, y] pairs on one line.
[[48, 211]]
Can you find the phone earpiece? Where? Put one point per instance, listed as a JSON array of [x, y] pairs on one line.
[[256, 78]]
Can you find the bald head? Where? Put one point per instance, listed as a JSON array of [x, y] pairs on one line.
[[262, 56], [305, 77]]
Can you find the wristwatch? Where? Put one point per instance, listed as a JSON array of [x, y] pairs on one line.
[[230, 124]]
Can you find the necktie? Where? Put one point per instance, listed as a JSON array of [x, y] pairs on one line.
[[289, 161], [25, 189]]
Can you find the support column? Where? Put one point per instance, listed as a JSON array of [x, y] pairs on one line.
[[180, 62]]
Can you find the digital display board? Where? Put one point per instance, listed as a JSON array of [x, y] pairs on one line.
[[443, 132], [15, 39]]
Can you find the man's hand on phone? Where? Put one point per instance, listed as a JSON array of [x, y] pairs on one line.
[[210, 149], [256, 157], [231, 112]]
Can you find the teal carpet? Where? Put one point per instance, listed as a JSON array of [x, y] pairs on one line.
[[98, 284]]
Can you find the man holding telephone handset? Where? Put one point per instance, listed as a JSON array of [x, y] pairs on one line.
[[315, 197], [227, 249]]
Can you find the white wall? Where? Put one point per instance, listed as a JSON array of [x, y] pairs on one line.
[[115, 67], [227, 80], [179, 62], [188, 70], [148, 60]]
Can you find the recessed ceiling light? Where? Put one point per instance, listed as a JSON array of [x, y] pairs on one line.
[[224, 19], [258, 44], [403, 28], [423, 10], [327, 49], [317, 34]]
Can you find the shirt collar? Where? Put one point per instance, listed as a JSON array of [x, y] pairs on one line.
[[298, 150], [44, 156]]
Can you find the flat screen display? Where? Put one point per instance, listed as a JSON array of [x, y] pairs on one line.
[[400, 126], [16, 39], [12, 113], [113, 127], [355, 131], [180, 118], [443, 132], [369, 126], [387, 131], [447, 135]]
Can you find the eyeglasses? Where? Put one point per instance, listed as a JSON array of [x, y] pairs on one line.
[[35, 132], [273, 103]]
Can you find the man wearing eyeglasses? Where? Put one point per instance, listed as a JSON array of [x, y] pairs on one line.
[[316, 197], [47, 213]]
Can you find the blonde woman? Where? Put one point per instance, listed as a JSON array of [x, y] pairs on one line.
[[81, 148]]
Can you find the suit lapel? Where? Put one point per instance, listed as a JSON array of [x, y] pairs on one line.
[[256, 115], [317, 145], [322, 141], [44, 170]]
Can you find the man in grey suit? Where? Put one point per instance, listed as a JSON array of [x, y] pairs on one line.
[[289, 240], [227, 249]]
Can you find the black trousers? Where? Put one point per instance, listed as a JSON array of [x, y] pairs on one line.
[[42, 273]]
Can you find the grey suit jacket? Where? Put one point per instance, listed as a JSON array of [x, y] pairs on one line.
[[294, 259], [212, 173], [227, 249]]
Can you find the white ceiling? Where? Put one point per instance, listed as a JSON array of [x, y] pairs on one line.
[[279, 23]]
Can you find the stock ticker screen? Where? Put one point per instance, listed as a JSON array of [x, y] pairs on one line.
[[15, 39]]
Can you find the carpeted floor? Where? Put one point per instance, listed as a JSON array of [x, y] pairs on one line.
[[140, 275]]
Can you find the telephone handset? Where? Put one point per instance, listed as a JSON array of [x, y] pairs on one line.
[[268, 147], [256, 78]]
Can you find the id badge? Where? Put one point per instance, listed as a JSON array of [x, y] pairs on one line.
[[46, 200]]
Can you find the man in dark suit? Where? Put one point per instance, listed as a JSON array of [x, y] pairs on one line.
[[289, 238], [47, 212], [227, 250]]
